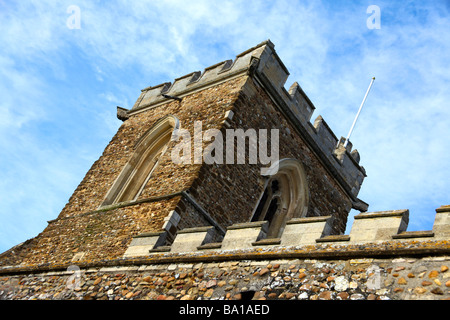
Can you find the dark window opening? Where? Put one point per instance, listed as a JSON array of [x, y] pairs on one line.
[[260, 207], [273, 208]]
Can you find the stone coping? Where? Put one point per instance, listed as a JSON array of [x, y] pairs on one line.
[[334, 238], [245, 225], [445, 208], [194, 230], [413, 234], [382, 214], [149, 234], [324, 251], [267, 242], [308, 220]]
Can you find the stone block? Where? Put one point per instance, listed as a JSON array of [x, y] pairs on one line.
[[273, 68], [300, 231], [242, 235], [324, 135], [441, 226], [187, 240], [378, 226], [142, 244], [302, 107]]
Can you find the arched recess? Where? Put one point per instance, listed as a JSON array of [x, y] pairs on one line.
[[148, 150], [285, 196]]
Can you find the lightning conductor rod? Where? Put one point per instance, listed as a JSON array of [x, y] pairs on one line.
[[357, 115]]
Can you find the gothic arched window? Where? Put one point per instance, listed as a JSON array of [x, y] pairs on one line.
[[148, 150], [285, 196]]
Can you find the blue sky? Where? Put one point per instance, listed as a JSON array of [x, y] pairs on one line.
[[59, 88]]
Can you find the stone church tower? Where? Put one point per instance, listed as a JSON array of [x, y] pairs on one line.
[[136, 187]]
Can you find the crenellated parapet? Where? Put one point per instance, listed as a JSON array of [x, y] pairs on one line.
[[264, 65], [368, 228], [223, 71]]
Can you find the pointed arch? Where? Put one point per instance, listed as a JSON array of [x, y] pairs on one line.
[[148, 150], [285, 196]]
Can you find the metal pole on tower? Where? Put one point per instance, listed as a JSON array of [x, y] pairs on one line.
[[357, 115]]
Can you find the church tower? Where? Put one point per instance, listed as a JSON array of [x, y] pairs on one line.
[[226, 146]]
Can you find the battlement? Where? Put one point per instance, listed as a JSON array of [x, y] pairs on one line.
[[264, 65], [373, 228], [379, 259], [223, 71]]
